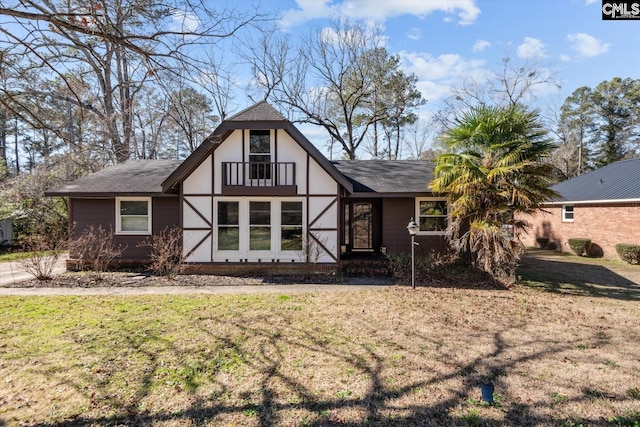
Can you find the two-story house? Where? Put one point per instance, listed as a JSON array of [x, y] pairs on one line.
[[255, 195]]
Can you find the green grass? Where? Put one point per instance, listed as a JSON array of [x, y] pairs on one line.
[[16, 256], [385, 357]]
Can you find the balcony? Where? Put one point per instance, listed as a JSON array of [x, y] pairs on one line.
[[251, 178]]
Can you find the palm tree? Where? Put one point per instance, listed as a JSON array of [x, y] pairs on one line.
[[493, 174]]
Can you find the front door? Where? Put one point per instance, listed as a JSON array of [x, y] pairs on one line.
[[362, 226], [362, 230]]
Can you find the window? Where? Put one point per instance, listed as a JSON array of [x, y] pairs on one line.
[[567, 213], [228, 226], [291, 226], [432, 216], [133, 216], [260, 154], [257, 229], [259, 226]]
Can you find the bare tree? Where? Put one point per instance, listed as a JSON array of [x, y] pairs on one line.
[[417, 138], [190, 114], [339, 78], [507, 85], [115, 46]]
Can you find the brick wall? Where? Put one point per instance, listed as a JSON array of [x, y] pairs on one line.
[[605, 224]]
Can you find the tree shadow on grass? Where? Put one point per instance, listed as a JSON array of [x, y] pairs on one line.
[[381, 403], [569, 276]]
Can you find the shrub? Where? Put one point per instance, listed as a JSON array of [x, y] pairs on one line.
[[45, 249], [434, 265], [580, 246], [167, 257], [95, 249], [542, 242], [628, 252]]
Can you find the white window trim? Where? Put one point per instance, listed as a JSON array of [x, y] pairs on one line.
[[149, 214], [417, 215], [244, 252], [564, 212], [268, 182]]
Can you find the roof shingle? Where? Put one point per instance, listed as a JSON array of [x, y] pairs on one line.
[[262, 111], [133, 177], [388, 176]]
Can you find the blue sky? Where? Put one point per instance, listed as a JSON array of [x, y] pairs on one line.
[[442, 41]]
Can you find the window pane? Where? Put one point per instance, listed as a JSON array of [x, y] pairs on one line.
[[568, 212], [291, 239], [433, 223], [134, 207], [134, 223], [228, 213], [228, 238], [291, 213], [260, 238], [346, 222], [259, 141], [260, 213], [433, 207]]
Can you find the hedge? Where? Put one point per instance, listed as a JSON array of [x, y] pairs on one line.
[[628, 252], [580, 246], [542, 242]]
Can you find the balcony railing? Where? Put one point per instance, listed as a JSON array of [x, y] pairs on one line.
[[248, 178]]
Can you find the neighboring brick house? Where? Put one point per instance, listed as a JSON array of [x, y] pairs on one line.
[[252, 191], [602, 205]]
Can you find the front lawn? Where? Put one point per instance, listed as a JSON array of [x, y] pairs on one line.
[[388, 357]]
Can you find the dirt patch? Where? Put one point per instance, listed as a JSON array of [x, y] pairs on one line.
[[143, 279]]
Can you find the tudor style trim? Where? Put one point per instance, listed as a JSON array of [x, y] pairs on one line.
[[237, 122]]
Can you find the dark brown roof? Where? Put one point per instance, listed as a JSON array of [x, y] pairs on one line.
[[132, 178], [259, 112], [388, 177], [371, 178]]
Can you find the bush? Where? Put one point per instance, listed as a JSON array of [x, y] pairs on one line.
[[542, 242], [45, 249], [433, 265], [95, 249], [580, 246], [167, 257], [628, 252]]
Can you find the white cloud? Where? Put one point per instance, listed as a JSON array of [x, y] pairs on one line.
[[414, 34], [379, 11], [591, 1], [531, 48], [480, 45], [587, 45], [437, 75]]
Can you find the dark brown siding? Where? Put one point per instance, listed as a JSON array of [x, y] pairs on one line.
[[101, 212], [396, 214]]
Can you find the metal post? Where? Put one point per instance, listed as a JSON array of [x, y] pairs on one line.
[[413, 261]]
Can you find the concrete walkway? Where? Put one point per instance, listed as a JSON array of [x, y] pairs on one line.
[[186, 290], [15, 272]]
